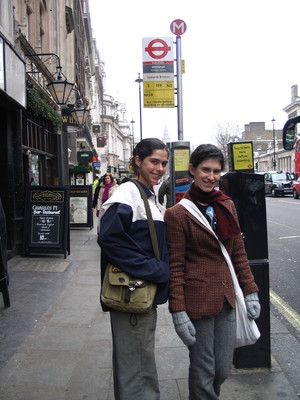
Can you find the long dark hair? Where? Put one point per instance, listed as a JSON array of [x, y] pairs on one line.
[[145, 148]]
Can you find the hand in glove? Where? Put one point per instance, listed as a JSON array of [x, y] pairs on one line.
[[184, 328], [252, 305], [97, 213]]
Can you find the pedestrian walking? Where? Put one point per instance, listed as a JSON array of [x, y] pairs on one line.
[[106, 189], [201, 294], [96, 194], [125, 242]]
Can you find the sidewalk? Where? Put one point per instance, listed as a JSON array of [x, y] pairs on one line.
[[55, 342]]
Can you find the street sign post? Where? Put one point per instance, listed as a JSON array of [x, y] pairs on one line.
[[178, 28]]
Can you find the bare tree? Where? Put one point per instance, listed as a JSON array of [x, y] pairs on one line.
[[227, 132]]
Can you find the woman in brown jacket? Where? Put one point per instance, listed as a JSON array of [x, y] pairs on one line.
[[201, 294]]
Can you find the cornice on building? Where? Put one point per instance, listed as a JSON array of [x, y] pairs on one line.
[[295, 105]]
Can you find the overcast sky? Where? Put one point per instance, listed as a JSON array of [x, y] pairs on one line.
[[241, 60]]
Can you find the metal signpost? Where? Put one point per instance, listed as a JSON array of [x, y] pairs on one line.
[[178, 27]]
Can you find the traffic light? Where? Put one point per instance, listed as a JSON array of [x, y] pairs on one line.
[[109, 168]]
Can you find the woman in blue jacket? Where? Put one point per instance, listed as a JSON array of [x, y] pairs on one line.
[[125, 241]]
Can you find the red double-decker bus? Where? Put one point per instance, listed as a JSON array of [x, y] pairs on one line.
[[290, 141]]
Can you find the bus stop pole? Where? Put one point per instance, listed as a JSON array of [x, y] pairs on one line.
[[179, 88]]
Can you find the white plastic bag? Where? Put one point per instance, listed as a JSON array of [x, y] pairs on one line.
[[246, 330]]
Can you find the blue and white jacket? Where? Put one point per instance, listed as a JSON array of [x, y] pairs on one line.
[[125, 240]]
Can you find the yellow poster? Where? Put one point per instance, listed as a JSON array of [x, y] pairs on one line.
[[159, 94], [242, 156], [181, 159]]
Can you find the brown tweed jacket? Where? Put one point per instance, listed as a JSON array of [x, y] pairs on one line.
[[200, 278]]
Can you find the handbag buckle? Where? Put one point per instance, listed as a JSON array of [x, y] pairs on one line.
[[132, 285]]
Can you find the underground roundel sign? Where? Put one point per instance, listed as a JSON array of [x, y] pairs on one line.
[[157, 49]]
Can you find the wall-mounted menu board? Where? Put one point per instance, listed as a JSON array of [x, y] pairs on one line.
[[46, 228], [81, 206]]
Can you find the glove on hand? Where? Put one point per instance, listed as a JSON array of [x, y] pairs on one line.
[[184, 328], [252, 305], [97, 213]]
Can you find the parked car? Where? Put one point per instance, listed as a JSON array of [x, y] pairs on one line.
[[296, 188], [278, 183]]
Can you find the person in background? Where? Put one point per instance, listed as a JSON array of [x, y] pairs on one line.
[[95, 183], [125, 241], [96, 194], [201, 294], [106, 189], [165, 190]]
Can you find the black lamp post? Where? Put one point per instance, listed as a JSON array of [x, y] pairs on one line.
[[274, 154], [140, 80]]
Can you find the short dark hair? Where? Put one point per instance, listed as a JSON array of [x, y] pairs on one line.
[[204, 152], [145, 148]]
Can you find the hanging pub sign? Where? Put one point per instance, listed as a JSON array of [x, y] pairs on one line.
[[81, 214], [46, 228], [96, 128], [84, 157]]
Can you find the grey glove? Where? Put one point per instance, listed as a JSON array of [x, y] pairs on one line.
[[184, 328], [252, 305]]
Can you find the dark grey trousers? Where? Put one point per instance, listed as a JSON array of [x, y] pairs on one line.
[[134, 367], [212, 355]]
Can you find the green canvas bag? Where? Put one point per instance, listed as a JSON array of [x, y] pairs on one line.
[[128, 294]]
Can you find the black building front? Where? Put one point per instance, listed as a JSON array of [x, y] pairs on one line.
[[30, 142]]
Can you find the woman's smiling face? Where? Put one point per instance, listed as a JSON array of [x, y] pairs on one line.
[[207, 174], [153, 167]]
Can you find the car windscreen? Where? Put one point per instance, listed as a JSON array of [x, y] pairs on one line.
[[279, 177]]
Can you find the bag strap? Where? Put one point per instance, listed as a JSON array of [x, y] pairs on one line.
[[149, 219]]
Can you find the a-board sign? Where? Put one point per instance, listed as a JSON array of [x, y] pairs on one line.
[[46, 228], [81, 206]]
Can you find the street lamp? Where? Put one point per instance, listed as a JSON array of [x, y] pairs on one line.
[[132, 133], [140, 80], [59, 89], [274, 160], [79, 112]]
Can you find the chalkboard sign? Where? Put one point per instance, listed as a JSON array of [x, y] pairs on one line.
[[81, 206], [46, 227]]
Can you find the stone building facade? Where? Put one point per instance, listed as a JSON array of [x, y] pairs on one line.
[[42, 42]]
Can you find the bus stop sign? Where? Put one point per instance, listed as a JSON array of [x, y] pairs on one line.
[[178, 27]]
